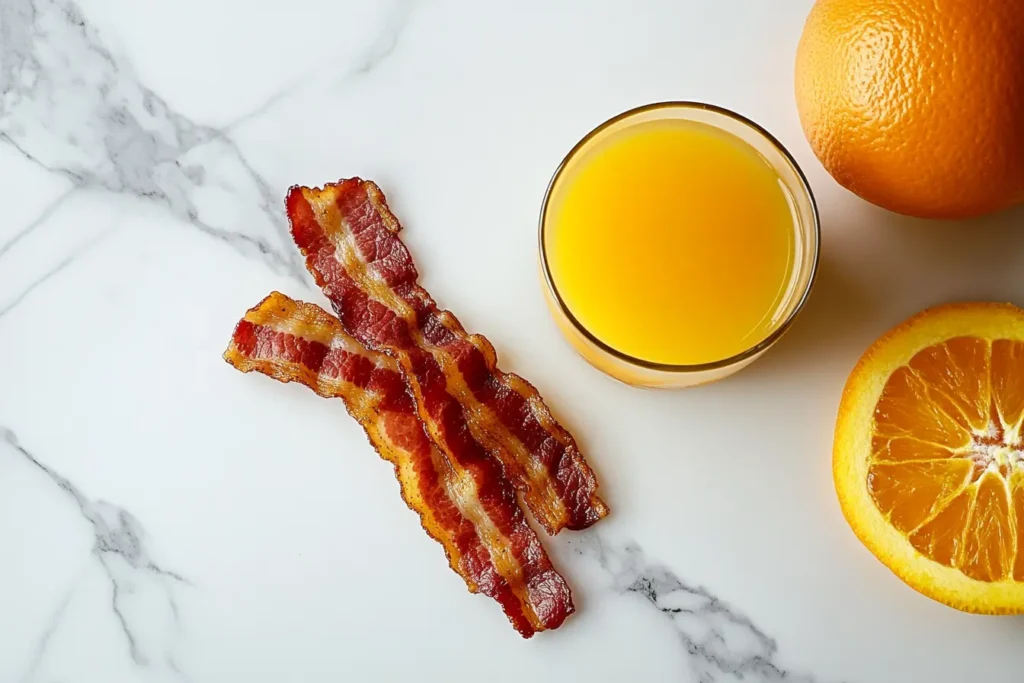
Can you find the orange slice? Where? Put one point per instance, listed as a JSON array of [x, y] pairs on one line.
[[928, 459]]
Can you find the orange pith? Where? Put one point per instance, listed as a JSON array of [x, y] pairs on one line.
[[928, 459], [947, 463]]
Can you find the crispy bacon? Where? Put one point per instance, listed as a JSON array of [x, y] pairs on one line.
[[465, 504], [350, 240]]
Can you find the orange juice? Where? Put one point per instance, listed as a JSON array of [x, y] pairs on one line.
[[672, 241]]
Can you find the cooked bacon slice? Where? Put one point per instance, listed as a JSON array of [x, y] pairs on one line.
[[466, 504], [350, 240]]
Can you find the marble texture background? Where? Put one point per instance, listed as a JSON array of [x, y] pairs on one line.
[[164, 518]]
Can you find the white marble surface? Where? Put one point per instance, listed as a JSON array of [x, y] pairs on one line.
[[164, 518]]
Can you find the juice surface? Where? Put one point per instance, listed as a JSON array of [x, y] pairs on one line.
[[672, 242]]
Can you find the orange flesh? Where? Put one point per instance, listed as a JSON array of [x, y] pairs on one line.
[[947, 464]]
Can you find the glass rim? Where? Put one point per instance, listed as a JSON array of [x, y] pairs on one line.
[[748, 353]]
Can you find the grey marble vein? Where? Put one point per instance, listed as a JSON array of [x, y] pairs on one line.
[[16, 299], [43, 216], [376, 53], [720, 643], [138, 583], [51, 627], [70, 106], [387, 40]]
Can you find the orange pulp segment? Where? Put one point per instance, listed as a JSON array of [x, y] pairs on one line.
[[930, 425]]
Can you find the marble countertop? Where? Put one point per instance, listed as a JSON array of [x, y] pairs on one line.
[[165, 518]]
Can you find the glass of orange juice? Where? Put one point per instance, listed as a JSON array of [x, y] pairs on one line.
[[678, 241]]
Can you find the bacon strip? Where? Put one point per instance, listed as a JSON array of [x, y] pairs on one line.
[[350, 240], [466, 505]]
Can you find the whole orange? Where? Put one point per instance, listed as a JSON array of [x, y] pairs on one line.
[[917, 105]]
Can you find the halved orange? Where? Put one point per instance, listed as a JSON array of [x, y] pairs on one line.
[[928, 458]]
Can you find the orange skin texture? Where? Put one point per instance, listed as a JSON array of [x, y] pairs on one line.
[[917, 105]]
